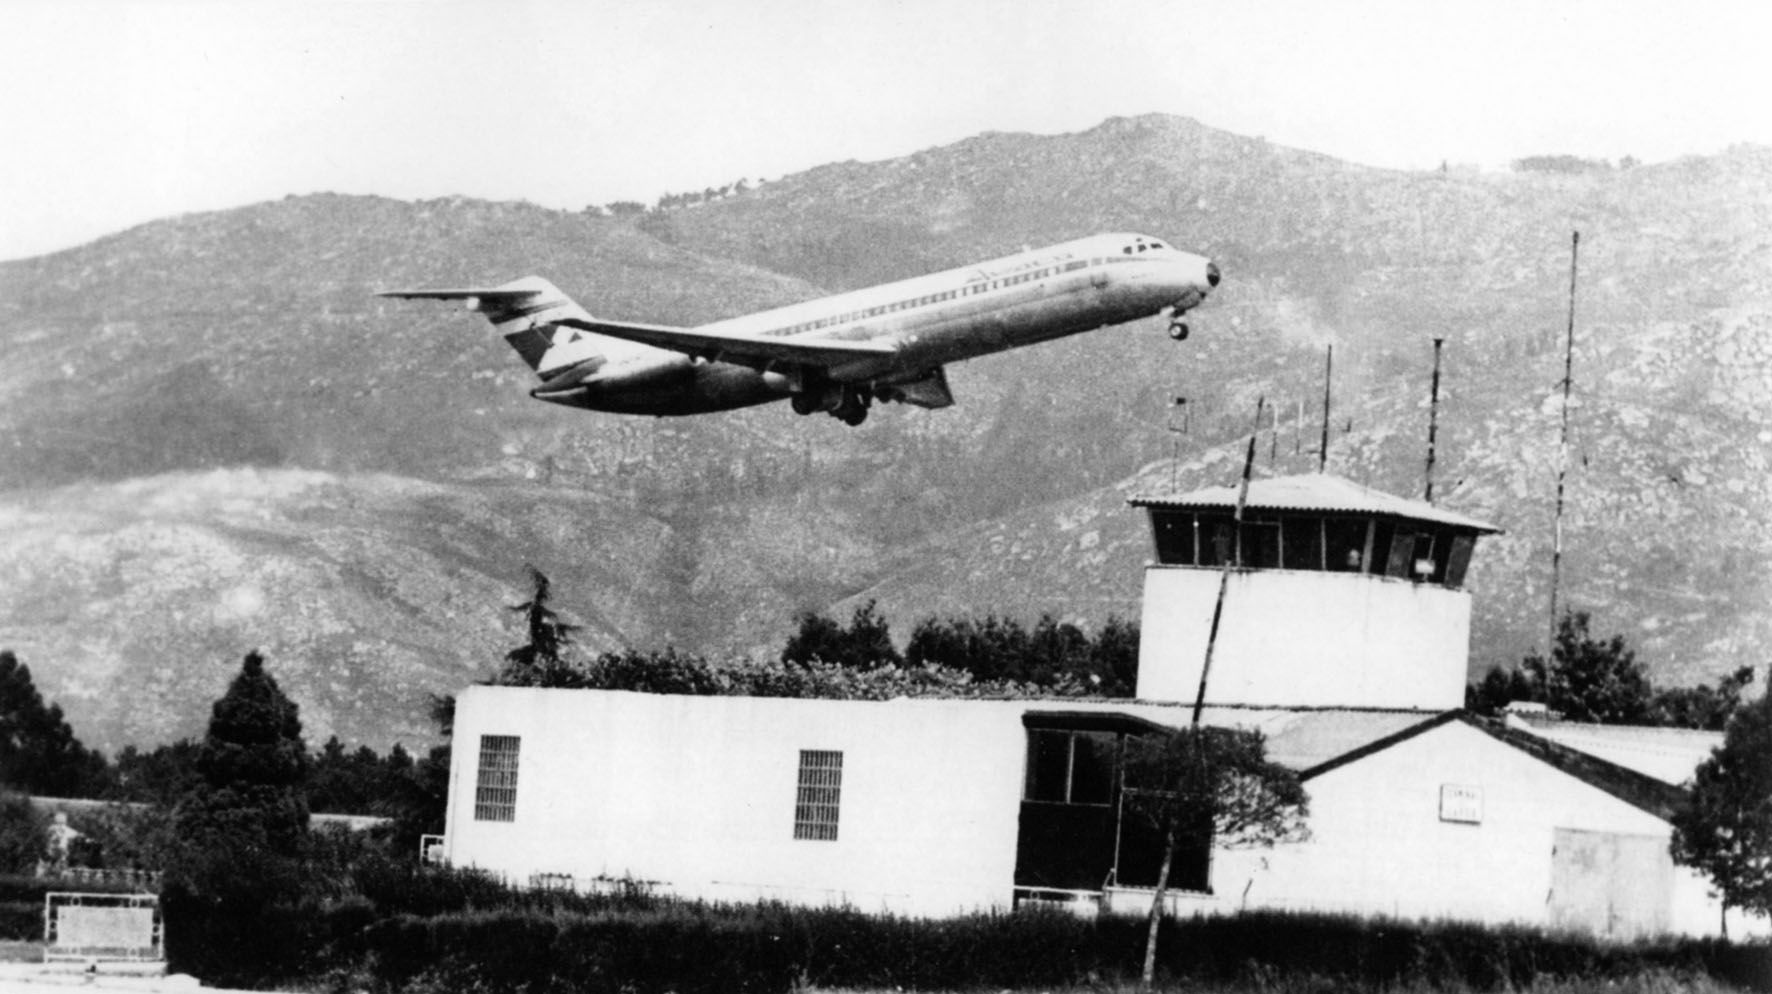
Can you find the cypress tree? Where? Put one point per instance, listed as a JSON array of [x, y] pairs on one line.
[[243, 823]]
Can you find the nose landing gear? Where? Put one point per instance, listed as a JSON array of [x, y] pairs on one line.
[[1178, 329]]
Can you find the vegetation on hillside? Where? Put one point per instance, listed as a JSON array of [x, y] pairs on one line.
[[346, 473]]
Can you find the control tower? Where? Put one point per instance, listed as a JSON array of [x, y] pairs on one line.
[[1338, 596]]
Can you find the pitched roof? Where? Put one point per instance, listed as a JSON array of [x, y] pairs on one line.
[[1297, 738], [1316, 741], [1315, 492], [1639, 790]]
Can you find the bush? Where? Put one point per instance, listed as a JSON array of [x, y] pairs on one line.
[[24, 834], [403, 927]]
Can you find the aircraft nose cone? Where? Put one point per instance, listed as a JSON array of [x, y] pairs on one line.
[[1212, 274]]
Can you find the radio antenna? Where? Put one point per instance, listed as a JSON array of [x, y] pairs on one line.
[[1175, 433], [1563, 442], [1328, 375], [1433, 420]]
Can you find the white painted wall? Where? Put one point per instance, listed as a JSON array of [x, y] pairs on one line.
[[1379, 845], [1304, 639], [696, 794]]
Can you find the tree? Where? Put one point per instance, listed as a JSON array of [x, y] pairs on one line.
[[160, 777], [1113, 658], [1701, 706], [1499, 688], [1589, 680], [242, 825], [24, 834], [38, 751], [548, 635], [1726, 831], [866, 644], [1053, 652], [1209, 786]]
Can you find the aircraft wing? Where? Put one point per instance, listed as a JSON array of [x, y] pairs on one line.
[[745, 350]]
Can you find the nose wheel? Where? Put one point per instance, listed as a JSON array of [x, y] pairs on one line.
[[1178, 330]]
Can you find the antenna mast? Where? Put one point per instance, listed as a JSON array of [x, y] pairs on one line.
[[1328, 373], [1563, 443], [1433, 420]]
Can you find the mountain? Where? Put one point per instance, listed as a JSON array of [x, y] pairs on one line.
[[217, 439]]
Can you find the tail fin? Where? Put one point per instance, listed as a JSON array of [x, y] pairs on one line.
[[526, 312]]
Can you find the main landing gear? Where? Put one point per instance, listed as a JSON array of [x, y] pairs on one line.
[[1178, 330], [847, 404]]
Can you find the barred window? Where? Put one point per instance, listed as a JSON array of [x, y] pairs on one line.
[[821, 787], [495, 792]]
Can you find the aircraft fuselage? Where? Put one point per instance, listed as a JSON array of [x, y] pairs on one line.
[[842, 352]]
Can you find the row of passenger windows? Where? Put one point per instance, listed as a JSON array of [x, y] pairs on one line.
[[1380, 547], [817, 795], [971, 289]]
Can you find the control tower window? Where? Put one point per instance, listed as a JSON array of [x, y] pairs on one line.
[[1301, 542], [1261, 544], [1401, 562], [1344, 545], [1217, 541], [1458, 559], [1175, 538]]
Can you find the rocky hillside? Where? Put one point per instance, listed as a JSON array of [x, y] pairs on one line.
[[215, 438]]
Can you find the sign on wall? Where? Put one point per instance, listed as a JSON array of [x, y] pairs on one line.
[[1462, 803]]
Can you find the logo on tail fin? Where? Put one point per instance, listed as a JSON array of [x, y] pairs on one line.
[[527, 313]]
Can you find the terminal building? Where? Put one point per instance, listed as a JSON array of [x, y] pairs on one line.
[[1343, 637]]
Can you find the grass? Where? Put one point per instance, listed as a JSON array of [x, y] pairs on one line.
[[1648, 982]]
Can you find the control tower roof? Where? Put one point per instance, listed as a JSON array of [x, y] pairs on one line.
[[1315, 492]]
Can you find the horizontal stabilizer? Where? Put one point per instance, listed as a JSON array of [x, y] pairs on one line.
[[490, 293]]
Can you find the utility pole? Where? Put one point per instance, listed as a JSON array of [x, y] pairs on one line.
[[1234, 562], [1563, 442]]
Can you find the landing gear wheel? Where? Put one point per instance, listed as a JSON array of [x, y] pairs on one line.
[[1178, 330], [804, 403], [853, 409]]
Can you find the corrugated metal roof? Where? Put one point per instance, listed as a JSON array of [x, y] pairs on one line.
[[1667, 754], [1315, 492]]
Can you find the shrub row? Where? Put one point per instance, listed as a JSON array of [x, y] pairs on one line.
[[27, 888], [770, 949], [402, 927]]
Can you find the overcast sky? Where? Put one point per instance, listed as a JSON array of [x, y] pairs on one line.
[[119, 112]]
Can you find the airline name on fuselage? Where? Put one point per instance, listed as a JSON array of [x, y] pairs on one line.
[[981, 274]]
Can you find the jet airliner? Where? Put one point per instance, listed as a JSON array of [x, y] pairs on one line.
[[839, 354]]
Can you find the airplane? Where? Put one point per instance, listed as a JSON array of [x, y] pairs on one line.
[[840, 353]]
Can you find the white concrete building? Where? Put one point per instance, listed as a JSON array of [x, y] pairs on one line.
[[937, 807]]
